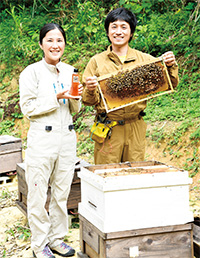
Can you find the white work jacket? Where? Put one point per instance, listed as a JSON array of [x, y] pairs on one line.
[[39, 84]]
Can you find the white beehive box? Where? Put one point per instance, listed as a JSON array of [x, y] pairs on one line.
[[144, 199]]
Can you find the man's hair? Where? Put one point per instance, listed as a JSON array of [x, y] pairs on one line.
[[121, 14]]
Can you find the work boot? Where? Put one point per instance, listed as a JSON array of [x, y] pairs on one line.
[[45, 253], [63, 250]]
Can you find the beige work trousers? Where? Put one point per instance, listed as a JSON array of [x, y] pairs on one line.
[[127, 143], [50, 157]]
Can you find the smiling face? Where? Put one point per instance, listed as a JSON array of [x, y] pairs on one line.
[[53, 45], [119, 33]]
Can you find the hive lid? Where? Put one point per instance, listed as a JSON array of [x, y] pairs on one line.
[[151, 177], [149, 80]]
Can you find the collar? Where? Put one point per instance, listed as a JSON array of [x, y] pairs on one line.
[[131, 56], [52, 68]]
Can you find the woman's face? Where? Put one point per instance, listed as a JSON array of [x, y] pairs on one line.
[[53, 45]]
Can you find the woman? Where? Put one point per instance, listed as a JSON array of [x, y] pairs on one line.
[[51, 142]]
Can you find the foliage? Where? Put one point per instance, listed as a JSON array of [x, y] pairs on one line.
[[193, 163], [162, 26], [6, 127], [180, 105]]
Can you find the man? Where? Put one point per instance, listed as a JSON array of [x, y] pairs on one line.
[[127, 141]]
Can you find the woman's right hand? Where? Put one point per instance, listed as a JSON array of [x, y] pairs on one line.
[[91, 83]]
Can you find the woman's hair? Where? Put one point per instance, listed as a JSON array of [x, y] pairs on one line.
[[121, 14], [51, 26]]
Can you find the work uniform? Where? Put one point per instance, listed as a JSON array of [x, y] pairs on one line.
[[127, 141], [51, 149]]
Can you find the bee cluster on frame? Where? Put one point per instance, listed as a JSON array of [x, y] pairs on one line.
[[138, 81]]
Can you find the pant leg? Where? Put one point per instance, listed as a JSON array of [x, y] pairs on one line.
[[40, 158], [111, 150], [61, 180], [134, 146], [127, 143]]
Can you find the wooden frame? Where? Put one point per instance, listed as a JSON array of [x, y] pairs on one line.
[[115, 102]]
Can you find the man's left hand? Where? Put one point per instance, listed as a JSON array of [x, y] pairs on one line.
[[169, 58]]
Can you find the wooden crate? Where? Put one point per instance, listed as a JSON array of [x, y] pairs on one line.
[[135, 92], [166, 242], [74, 196], [10, 153]]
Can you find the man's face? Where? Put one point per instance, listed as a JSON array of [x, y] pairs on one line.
[[119, 33]]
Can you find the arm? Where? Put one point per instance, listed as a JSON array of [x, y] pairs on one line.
[[33, 104], [90, 95]]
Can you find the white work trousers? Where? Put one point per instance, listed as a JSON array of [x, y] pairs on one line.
[[50, 156]]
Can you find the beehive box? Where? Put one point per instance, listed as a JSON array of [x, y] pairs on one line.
[[10, 153], [135, 84], [148, 194], [74, 196], [166, 242]]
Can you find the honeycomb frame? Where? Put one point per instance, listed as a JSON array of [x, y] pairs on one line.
[[143, 82]]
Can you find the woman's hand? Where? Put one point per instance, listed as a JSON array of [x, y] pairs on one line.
[[62, 95], [91, 83], [65, 94], [169, 58]]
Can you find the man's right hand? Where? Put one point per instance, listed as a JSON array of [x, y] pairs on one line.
[[91, 83]]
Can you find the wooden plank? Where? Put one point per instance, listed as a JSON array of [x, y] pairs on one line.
[[9, 161], [149, 231], [82, 255], [9, 143], [171, 244], [92, 168], [82, 245], [21, 207], [74, 196], [103, 244], [91, 253], [90, 236], [196, 240], [99, 232]]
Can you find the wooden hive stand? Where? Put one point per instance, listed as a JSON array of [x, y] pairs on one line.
[[160, 242]]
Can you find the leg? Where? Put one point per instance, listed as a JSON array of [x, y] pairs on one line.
[[135, 134], [61, 180]]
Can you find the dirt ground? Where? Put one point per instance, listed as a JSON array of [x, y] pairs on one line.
[[11, 219]]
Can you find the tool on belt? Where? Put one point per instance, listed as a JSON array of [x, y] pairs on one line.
[[102, 127]]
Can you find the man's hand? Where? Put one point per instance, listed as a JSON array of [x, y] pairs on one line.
[[169, 58], [91, 83]]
